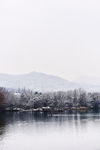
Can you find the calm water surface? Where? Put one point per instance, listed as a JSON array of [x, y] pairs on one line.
[[67, 131]]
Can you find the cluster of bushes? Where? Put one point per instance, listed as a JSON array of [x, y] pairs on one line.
[[26, 99]]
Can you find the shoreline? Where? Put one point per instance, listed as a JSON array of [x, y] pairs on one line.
[[54, 110]]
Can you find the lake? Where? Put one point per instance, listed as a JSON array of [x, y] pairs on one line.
[[39, 131]]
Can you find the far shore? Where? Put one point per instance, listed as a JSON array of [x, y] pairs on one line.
[[47, 109]]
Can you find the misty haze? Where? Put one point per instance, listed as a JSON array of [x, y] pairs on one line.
[[49, 75]]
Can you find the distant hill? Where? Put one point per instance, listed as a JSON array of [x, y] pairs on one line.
[[36, 81]]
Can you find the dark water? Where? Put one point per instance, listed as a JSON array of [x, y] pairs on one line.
[[67, 131]]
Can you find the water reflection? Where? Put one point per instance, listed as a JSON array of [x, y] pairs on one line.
[[17, 127], [11, 118]]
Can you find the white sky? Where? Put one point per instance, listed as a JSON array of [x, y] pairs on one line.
[[60, 37]]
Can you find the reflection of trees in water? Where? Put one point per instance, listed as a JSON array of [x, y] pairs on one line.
[[46, 117], [77, 119], [2, 126]]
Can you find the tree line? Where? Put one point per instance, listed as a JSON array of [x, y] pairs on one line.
[[27, 99]]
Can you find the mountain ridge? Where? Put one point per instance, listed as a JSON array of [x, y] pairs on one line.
[[36, 81], [42, 82]]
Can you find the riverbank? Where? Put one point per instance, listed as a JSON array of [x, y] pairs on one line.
[[48, 109]]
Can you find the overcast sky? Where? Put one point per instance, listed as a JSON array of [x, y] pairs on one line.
[[60, 37]]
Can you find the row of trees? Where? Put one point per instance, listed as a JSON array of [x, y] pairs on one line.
[[27, 99]]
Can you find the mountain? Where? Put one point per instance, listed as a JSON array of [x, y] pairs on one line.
[[36, 81]]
